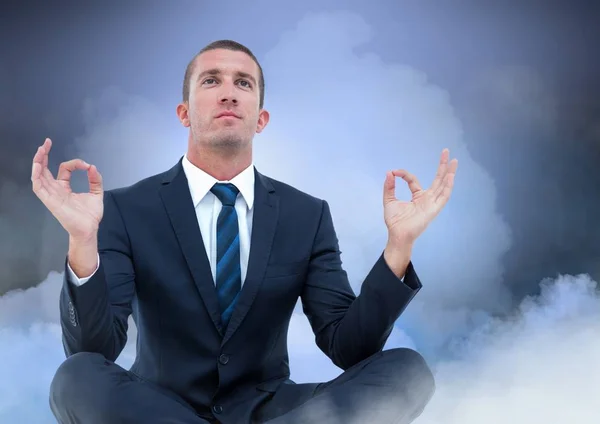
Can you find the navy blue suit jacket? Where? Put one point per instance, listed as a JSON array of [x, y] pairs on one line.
[[153, 265]]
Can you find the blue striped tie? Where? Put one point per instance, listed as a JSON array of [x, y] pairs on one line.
[[229, 275]]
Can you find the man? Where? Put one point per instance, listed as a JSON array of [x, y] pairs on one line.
[[210, 257]]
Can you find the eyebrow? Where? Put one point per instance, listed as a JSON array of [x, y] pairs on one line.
[[216, 71]]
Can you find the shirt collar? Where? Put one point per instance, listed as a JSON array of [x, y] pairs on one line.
[[200, 182]]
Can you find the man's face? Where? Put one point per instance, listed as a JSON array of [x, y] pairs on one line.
[[223, 107]]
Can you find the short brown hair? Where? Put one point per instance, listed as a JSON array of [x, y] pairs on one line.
[[228, 45]]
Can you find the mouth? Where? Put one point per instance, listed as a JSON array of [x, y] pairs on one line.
[[227, 115]]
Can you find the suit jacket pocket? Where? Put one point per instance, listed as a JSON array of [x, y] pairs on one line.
[[285, 269]]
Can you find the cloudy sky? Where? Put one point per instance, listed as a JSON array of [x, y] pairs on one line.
[[509, 309]]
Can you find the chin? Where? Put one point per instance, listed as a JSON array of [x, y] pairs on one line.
[[229, 141]]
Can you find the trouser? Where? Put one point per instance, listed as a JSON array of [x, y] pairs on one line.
[[390, 387]]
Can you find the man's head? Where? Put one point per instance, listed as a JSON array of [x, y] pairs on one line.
[[223, 78]]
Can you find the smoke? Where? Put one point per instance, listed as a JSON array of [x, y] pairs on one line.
[[339, 120]]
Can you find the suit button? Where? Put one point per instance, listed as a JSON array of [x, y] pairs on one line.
[[217, 409], [223, 359]]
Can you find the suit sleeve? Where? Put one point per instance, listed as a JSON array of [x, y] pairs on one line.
[[94, 315], [350, 328]]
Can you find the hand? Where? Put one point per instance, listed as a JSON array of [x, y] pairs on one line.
[[407, 220], [79, 213]]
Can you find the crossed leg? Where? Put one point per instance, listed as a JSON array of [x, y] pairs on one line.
[[390, 387], [89, 389]]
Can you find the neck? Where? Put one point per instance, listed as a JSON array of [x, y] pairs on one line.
[[221, 166]]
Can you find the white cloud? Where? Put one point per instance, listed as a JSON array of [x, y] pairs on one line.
[[536, 367], [128, 137]]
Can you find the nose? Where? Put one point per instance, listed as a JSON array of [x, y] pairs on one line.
[[227, 94], [227, 99]]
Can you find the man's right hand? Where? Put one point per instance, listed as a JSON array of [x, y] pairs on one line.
[[79, 213]]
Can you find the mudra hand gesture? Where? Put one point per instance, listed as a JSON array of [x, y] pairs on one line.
[[406, 220], [78, 213]]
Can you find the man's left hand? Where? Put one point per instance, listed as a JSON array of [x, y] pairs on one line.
[[406, 221]]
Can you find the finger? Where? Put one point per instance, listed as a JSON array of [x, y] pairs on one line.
[[441, 170], [389, 188], [47, 146], [41, 158], [413, 183], [445, 191], [40, 188], [450, 168], [36, 172], [36, 165], [38, 177], [66, 169], [95, 180]]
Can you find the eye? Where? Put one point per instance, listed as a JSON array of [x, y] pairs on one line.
[[246, 82], [208, 79]]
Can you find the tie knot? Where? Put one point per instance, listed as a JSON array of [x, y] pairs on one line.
[[226, 192]]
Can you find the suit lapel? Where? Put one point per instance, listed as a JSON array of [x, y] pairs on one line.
[[264, 223], [176, 197]]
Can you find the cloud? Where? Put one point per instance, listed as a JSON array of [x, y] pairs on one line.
[[339, 120], [537, 366], [29, 359], [32, 350], [127, 137]]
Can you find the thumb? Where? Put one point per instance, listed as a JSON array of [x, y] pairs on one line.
[[95, 180], [389, 188]]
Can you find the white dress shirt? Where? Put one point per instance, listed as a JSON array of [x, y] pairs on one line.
[[207, 207]]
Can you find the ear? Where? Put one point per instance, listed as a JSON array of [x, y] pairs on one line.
[[263, 120], [183, 114]]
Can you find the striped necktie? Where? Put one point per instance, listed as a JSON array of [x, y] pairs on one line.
[[229, 276]]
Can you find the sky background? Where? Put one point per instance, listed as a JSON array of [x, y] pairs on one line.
[[509, 313]]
